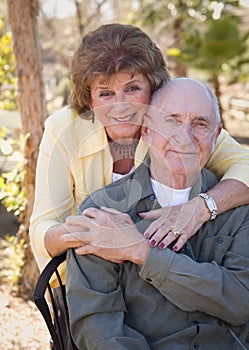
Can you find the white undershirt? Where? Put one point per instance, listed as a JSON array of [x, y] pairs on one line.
[[116, 176], [168, 196]]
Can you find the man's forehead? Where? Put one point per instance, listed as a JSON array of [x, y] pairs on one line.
[[183, 96]]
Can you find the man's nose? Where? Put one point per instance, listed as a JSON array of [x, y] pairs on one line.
[[185, 135]]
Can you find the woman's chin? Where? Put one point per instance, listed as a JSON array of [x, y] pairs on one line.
[[123, 131]]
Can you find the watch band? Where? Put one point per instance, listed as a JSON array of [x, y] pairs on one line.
[[211, 205]]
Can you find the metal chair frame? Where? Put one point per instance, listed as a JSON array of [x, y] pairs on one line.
[[51, 318]]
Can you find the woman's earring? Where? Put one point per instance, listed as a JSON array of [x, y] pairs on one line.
[[93, 117]]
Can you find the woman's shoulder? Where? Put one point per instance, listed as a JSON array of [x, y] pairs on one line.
[[67, 120], [62, 117]]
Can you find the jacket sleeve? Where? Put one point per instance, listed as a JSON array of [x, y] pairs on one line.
[[217, 286], [229, 160], [96, 305]]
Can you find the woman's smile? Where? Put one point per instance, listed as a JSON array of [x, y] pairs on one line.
[[120, 103]]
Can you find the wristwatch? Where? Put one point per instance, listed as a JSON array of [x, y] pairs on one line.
[[211, 205]]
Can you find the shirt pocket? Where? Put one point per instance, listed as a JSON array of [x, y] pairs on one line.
[[214, 248]]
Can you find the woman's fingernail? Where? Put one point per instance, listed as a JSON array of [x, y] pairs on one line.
[[153, 243], [161, 245], [146, 236], [175, 248]]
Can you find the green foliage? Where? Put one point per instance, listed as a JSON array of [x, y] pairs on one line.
[[12, 251], [11, 193], [203, 34], [7, 71], [219, 44]]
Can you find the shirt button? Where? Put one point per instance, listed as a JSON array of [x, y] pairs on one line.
[[196, 346], [152, 197], [219, 240], [148, 279]]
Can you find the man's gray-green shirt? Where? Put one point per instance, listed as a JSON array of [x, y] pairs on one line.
[[195, 299]]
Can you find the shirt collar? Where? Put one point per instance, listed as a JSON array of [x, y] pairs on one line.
[[95, 138], [96, 141]]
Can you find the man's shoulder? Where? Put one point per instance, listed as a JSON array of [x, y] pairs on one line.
[[209, 180], [118, 194]]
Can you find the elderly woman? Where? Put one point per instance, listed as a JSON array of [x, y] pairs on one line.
[[114, 72]]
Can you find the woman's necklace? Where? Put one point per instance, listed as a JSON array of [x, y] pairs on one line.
[[124, 151]]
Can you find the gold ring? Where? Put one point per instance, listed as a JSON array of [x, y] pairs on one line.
[[176, 233]]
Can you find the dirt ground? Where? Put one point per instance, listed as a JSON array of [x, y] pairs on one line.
[[21, 325]]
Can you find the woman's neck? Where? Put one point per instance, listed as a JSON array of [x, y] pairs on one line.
[[123, 156], [123, 166]]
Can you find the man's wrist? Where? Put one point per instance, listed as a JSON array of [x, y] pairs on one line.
[[138, 252]]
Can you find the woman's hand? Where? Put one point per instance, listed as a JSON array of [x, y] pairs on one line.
[[183, 219], [108, 234]]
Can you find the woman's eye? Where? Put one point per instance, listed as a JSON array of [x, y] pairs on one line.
[[133, 88], [106, 94]]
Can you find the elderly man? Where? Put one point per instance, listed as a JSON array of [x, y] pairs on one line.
[[133, 292]]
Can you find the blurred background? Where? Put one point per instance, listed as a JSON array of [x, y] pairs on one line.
[[202, 39]]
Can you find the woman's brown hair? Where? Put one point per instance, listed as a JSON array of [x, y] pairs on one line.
[[110, 49]]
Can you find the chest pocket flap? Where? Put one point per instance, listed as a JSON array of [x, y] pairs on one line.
[[214, 248]]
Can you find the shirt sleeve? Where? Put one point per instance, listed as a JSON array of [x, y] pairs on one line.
[[220, 290], [54, 190], [97, 307], [229, 160]]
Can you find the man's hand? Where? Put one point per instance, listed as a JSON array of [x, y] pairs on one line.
[[108, 234]]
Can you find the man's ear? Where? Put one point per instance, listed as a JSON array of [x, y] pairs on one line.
[[144, 131], [218, 131]]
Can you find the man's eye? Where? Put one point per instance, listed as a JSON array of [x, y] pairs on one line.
[[201, 124], [170, 120]]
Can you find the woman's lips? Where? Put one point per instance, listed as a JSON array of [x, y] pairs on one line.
[[125, 119]]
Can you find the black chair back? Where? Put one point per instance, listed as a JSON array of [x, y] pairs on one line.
[[55, 316]]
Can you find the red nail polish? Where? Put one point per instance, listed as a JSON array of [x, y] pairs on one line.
[[161, 246], [175, 249]]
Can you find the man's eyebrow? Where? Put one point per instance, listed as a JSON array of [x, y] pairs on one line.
[[202, 117]]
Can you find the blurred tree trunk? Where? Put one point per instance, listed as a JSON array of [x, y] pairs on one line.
[[32, 109], [180, 68], [217, 90]]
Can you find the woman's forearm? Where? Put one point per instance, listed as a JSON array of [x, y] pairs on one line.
[[229, 194], [53, 242]]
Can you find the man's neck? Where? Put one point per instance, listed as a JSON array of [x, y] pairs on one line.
[[176, 180]]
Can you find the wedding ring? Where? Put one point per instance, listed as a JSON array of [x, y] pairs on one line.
[[176, 233]]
